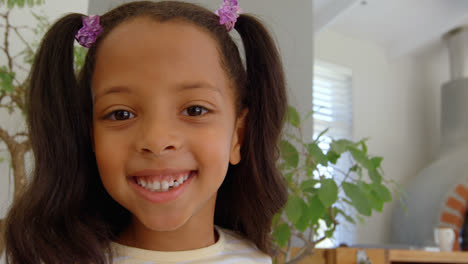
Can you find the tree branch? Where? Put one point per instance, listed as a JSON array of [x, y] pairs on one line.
[[5, 137], [288, 251], [5, 43], [303, 252], [17, 100], [20, 67], [15, 29], [27, 144], [20, 134], [21, 27]]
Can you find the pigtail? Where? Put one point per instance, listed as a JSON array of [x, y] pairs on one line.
[[265, 97], [46, 224]]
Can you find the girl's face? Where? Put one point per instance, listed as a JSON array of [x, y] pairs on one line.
[[163, 111]]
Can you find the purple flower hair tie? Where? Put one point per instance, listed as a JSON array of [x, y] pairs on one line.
[[91, 29], [228, 13]]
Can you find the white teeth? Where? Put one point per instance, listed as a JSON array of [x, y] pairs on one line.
[[164, 185], [180, 180], [149, 185], [142, 183], [156, 185]]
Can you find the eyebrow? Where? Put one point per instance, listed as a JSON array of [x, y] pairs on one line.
[[115, 89], [197, 85], [180, 87]]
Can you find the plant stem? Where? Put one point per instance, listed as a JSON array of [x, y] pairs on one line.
[[5, 42], [22, 39], [303, 252], [288, 251]]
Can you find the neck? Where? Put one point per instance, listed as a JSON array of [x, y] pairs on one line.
[[197, 232]]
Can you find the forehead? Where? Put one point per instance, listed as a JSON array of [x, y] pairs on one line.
[[147, 52]]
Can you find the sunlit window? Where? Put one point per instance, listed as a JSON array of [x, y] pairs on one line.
[[333, 110]]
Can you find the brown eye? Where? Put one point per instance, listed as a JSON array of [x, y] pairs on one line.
[[196, 110], [119, 115]]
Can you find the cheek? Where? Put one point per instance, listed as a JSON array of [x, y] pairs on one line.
[[212, 148], [110, 154]]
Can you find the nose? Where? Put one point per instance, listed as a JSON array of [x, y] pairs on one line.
[[158, 137]]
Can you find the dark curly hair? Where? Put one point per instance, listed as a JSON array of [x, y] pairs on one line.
[[66, 215]]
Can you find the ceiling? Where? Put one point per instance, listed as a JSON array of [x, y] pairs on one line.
[[400, 26]]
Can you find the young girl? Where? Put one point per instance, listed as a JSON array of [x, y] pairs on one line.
[[163, 150]]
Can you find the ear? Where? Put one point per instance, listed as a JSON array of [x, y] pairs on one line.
[[238, 138]]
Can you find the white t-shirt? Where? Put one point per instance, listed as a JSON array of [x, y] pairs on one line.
[[230, 248]]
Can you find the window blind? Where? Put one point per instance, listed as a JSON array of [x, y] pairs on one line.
[[332, 100]]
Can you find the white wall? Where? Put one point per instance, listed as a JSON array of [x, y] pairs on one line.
[[390, 106]]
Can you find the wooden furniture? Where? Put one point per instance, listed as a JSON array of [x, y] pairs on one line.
[[385, 256]]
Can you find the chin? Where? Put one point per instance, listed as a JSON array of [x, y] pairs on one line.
[[164, 223]]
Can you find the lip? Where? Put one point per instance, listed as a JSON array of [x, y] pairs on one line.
[[160, 197]]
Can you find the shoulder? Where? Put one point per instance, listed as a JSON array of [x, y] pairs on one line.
[[238, 247]]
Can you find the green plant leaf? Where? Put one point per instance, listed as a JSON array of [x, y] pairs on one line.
[[363, 146], [289, 154], [6, 80], [317, 154], [376, 161], [79, 57], [276, 218], [307, 116], [288, 176], [328, 192], [375, 176], [375, 201], [358, 198], [360, 157], [304, 221], [346, 216], [342, 145], [316, 209], [309, 186], [295, 208], [333, 156], [382, 191], [354, 168], [320, 135], [21, 3], [293, 117], [327, 218], [329, 233], [282, 234]]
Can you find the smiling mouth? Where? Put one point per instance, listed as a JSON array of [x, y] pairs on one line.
[[163, 184]]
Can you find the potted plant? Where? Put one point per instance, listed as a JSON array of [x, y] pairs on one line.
[[320, 192]]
